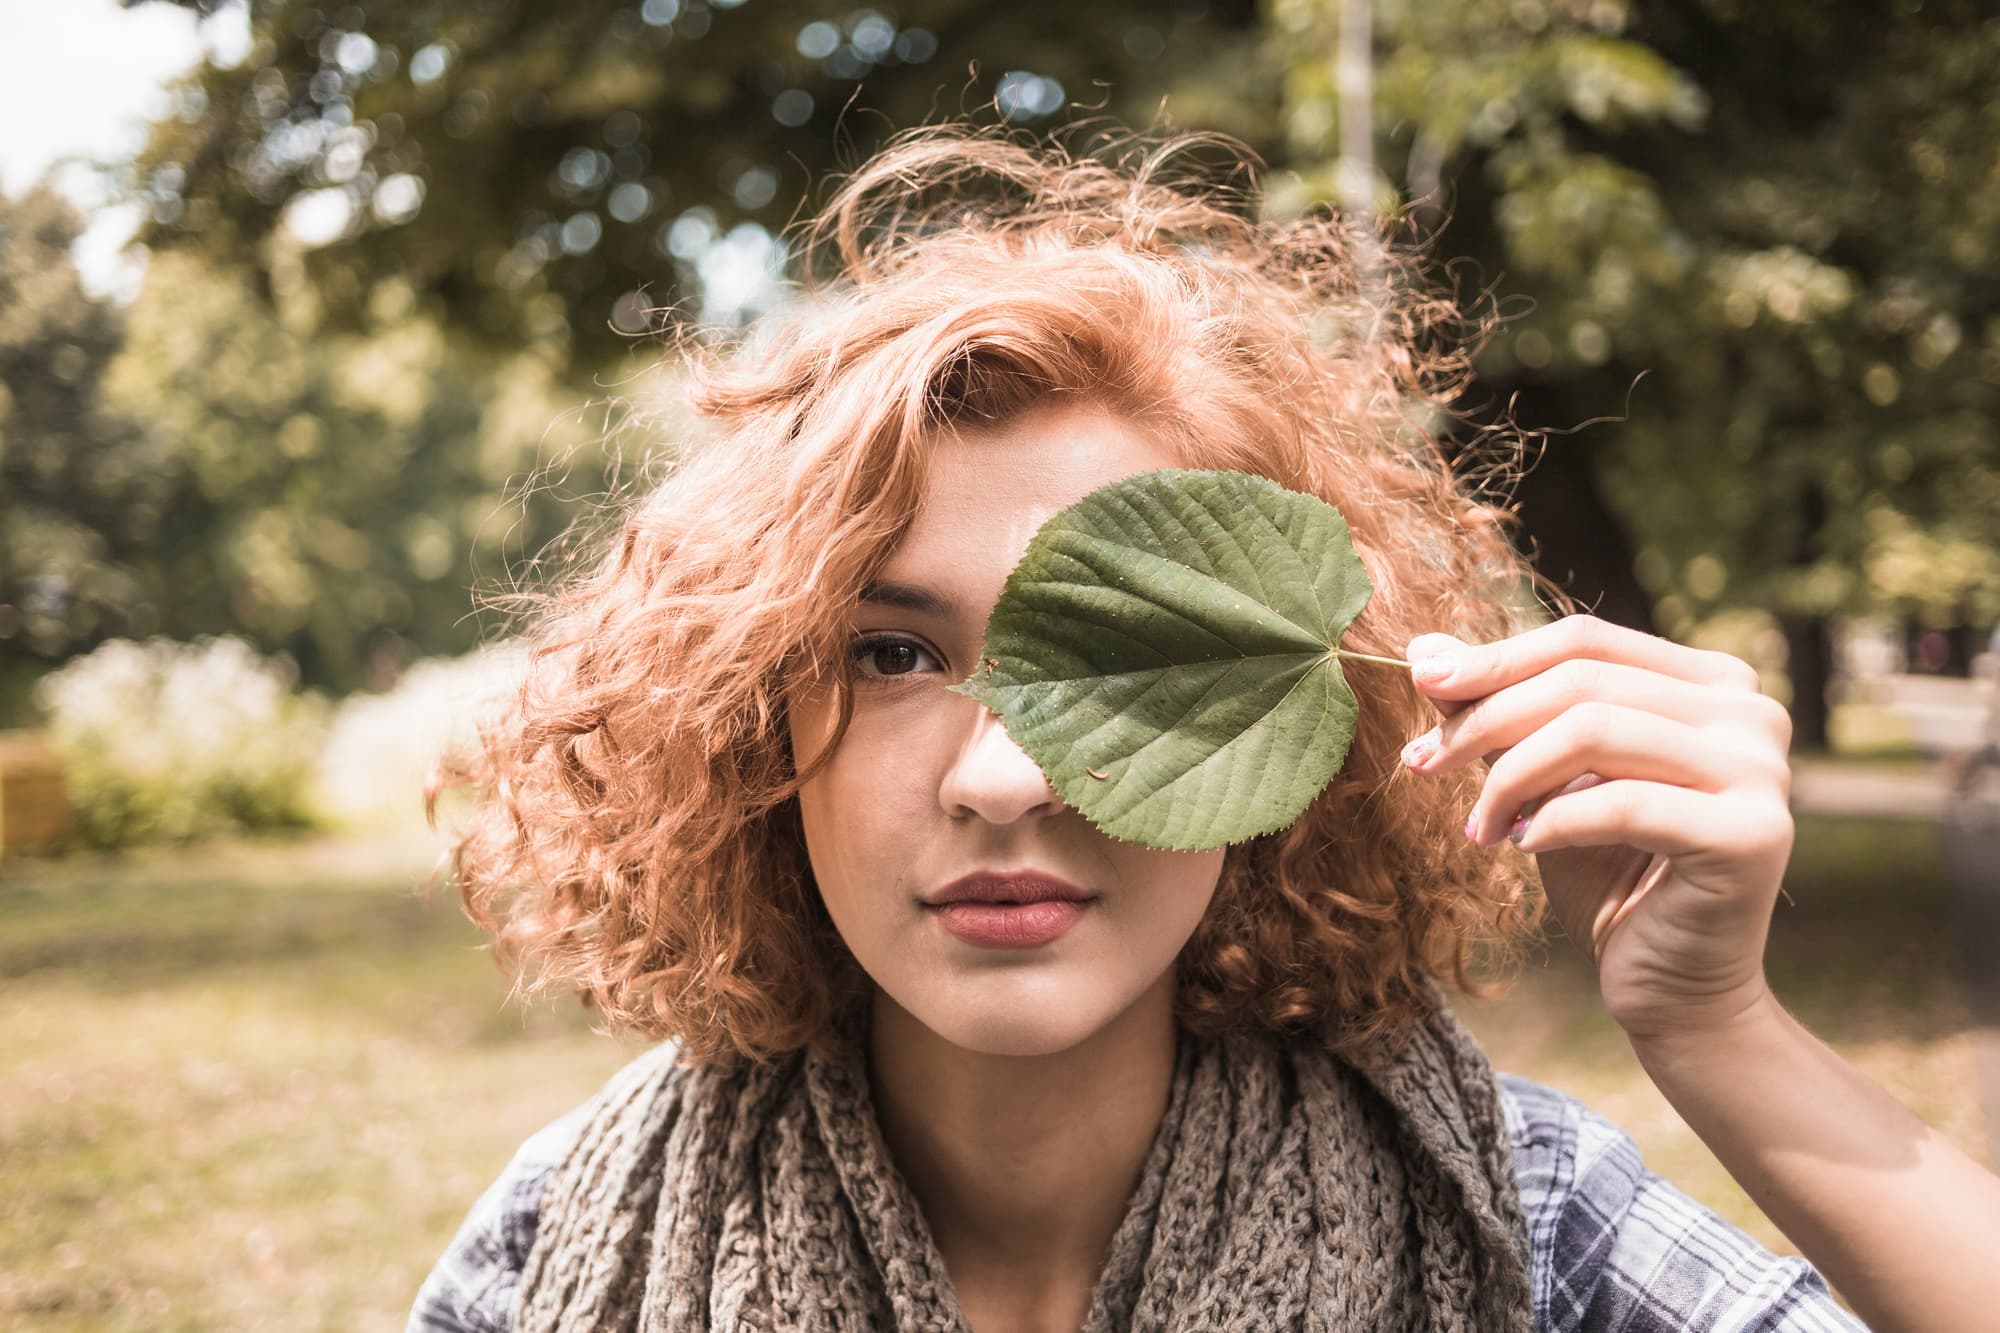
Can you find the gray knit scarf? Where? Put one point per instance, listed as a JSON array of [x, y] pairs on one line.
[[1285, 1189]]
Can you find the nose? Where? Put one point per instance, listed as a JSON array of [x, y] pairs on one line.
[[994, 778]]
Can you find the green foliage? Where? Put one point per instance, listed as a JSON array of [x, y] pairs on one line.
[[1165, 651], [331, 427], [86, 499], [511, 158], [168, 742], [1767, 231], [352, 478], [211, 460], [1765, 234]]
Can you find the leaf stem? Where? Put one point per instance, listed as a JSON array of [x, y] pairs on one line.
[[1368, 657]]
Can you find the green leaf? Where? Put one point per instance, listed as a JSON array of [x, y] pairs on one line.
[[1177, 634]]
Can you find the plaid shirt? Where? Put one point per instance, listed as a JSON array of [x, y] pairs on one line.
[[1612, 1247]]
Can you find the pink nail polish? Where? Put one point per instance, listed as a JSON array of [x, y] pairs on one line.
[[1517, 830], [1470, 836], [1420, 749]]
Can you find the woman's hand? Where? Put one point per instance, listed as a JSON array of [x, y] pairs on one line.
[[1657, 794], [1650, 781]]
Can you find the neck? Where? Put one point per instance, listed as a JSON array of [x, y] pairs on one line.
[[1023, 1165]]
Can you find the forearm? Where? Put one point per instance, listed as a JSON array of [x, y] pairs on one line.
[[1901, 1221]]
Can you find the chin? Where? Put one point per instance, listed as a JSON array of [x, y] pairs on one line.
[[1042, 1022]]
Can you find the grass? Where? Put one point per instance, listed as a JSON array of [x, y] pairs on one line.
[[252, 1088], [259, 1085]]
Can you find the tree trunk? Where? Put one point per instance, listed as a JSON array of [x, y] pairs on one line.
[[1961, 643], [1809, 662]]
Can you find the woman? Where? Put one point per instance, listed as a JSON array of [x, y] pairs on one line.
[[733, 799]]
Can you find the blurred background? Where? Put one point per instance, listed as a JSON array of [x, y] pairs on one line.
[[315, 318]]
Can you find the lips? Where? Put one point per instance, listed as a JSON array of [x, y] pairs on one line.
[[1014, 886], [1013, 910]]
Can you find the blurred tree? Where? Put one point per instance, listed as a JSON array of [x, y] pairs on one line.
[[1769, 232], [1765, 232], [85, 497], [488, 153], [393, 224], [205, 461], [349, 479]]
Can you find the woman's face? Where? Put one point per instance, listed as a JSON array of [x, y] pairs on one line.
[[927, 787]]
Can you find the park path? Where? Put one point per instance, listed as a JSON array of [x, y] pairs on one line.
[[1969, 844]]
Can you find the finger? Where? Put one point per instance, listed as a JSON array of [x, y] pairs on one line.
[[1675, 825], [1467, 671], [1660, 818], [1435, 645], [1508, 716], [1612, 742]]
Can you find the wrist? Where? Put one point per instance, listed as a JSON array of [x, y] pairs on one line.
[[1703, 1033]]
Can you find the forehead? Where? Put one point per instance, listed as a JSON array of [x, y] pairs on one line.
[[987, 490]]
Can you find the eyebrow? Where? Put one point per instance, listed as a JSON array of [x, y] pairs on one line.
[[909, 597]]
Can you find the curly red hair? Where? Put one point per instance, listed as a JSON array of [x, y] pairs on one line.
[[636, 835]]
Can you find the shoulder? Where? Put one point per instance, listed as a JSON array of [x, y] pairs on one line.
[[471, 1290], [1614, 1246]]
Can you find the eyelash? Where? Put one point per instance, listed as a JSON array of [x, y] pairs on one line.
[[866, 646]]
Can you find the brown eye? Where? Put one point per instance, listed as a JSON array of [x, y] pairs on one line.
[[894, 658], [882, 658]]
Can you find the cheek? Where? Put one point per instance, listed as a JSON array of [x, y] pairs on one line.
[[1189, 879], [863, 812]]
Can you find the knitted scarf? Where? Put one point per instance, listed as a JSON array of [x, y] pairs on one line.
[[1284, 1189]]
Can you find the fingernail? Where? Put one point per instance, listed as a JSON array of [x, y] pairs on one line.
[[1432, 669], [1420, 749], [1469, 822], [1517, 830]]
